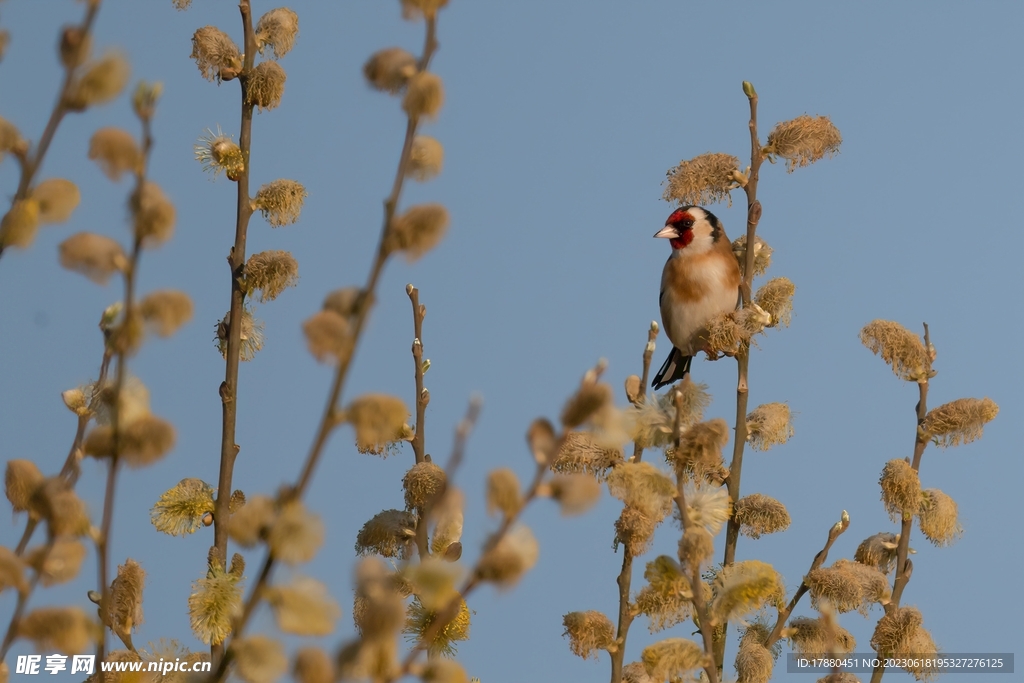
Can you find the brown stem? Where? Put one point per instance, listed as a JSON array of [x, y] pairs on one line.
[[32, 161], [697, 600], [462, 432], [70, 473], [626, 615], [120, 375], [625, 578], [71, 470], [652, 334], [834, 532], [451, 610], [329, 418], [236, 262], [732, 532], [422, 396], [23, 596], [904, 567], [26, 536]]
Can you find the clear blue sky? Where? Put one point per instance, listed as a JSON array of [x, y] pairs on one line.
[[560, 121]]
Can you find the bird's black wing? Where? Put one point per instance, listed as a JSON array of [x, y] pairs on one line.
[[673, 369]]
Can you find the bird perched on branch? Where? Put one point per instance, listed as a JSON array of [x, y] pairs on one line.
[[701, 280]]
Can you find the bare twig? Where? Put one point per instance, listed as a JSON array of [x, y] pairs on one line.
[[652, 334], [834, 532], [462, 432], [422, 399], [419, 311]]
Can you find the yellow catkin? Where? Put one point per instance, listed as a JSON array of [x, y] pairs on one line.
[[19, 225], [280, 201], [426, 158], [900, 348], [303, 607], [180, 510], [503, 492], [95, 256], [424, 95], [98, 82], [588, 632], [901, 489], [21, 479], [803, 140], [265, 86], [216, 54], [313, 665], [270, 273], [115, 151], [775, 297], [672, 659], [938, 518], [705, 179], [507, 558], [390, 69], [758, 514], [959, 422], [768, 425], [418, 230], [165, 310], [278, 29], [422, 483], [57, 199]]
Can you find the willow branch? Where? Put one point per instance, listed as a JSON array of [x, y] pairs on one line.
[[236, 262], [904, 567], [70, 471], [451, 610], [422, 395], [329, 417], [32, 160], [625, 579], [834, 532], [422, 399], [116, 424], [652, 334], [697, 599], [462, 432], [23, 597], [732, 533]]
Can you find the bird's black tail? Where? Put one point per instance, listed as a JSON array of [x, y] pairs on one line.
[[675, 368]]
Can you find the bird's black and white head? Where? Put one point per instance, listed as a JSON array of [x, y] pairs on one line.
[[692, 229]]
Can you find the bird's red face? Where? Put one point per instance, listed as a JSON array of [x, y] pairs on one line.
[[678, 228]]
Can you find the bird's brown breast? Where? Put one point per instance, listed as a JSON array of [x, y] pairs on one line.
[[694, 278]]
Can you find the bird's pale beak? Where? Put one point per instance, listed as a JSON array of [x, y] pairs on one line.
[[668, 231]]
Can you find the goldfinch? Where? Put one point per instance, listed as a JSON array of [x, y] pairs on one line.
[[701, 280]]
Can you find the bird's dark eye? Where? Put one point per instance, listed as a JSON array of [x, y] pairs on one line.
[[687, 224]]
